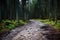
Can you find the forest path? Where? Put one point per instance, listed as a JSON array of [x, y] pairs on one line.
[[33, 30]]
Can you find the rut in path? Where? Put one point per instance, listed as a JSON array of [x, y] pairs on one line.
[[33, 30]]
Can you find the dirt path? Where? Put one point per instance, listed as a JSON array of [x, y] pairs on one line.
[[33, 30]]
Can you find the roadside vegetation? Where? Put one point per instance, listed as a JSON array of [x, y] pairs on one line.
[[51, 22], [6, 25]]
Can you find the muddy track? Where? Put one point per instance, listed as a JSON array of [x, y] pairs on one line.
[[33, 30]]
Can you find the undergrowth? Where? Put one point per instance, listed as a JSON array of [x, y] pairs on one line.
[[6, 25]]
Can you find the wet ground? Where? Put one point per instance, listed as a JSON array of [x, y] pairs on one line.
[[33, 30]]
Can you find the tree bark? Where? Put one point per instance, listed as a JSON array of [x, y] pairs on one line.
[[55, 11]]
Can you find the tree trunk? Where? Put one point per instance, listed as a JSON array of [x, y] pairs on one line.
[[55, 11], [23, 9], [16, 7]]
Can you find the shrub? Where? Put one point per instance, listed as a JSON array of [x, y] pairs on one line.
[[10, 24]]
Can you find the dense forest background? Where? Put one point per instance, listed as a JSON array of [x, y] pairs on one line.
[[10, 9]]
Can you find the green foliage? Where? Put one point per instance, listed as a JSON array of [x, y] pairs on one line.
[[6, 25], [21, 22], [9, 23], [57, 26]]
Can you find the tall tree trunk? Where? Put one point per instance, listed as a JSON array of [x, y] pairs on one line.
[[16, 8], [23, 9], [43, 8], [0, 11], [55, 11], [49, 13]]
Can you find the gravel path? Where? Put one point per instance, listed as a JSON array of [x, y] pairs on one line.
[[33, 30]]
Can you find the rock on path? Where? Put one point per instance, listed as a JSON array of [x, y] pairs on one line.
[[33, 30]]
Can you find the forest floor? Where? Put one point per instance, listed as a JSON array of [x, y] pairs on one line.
[[33, 30]]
